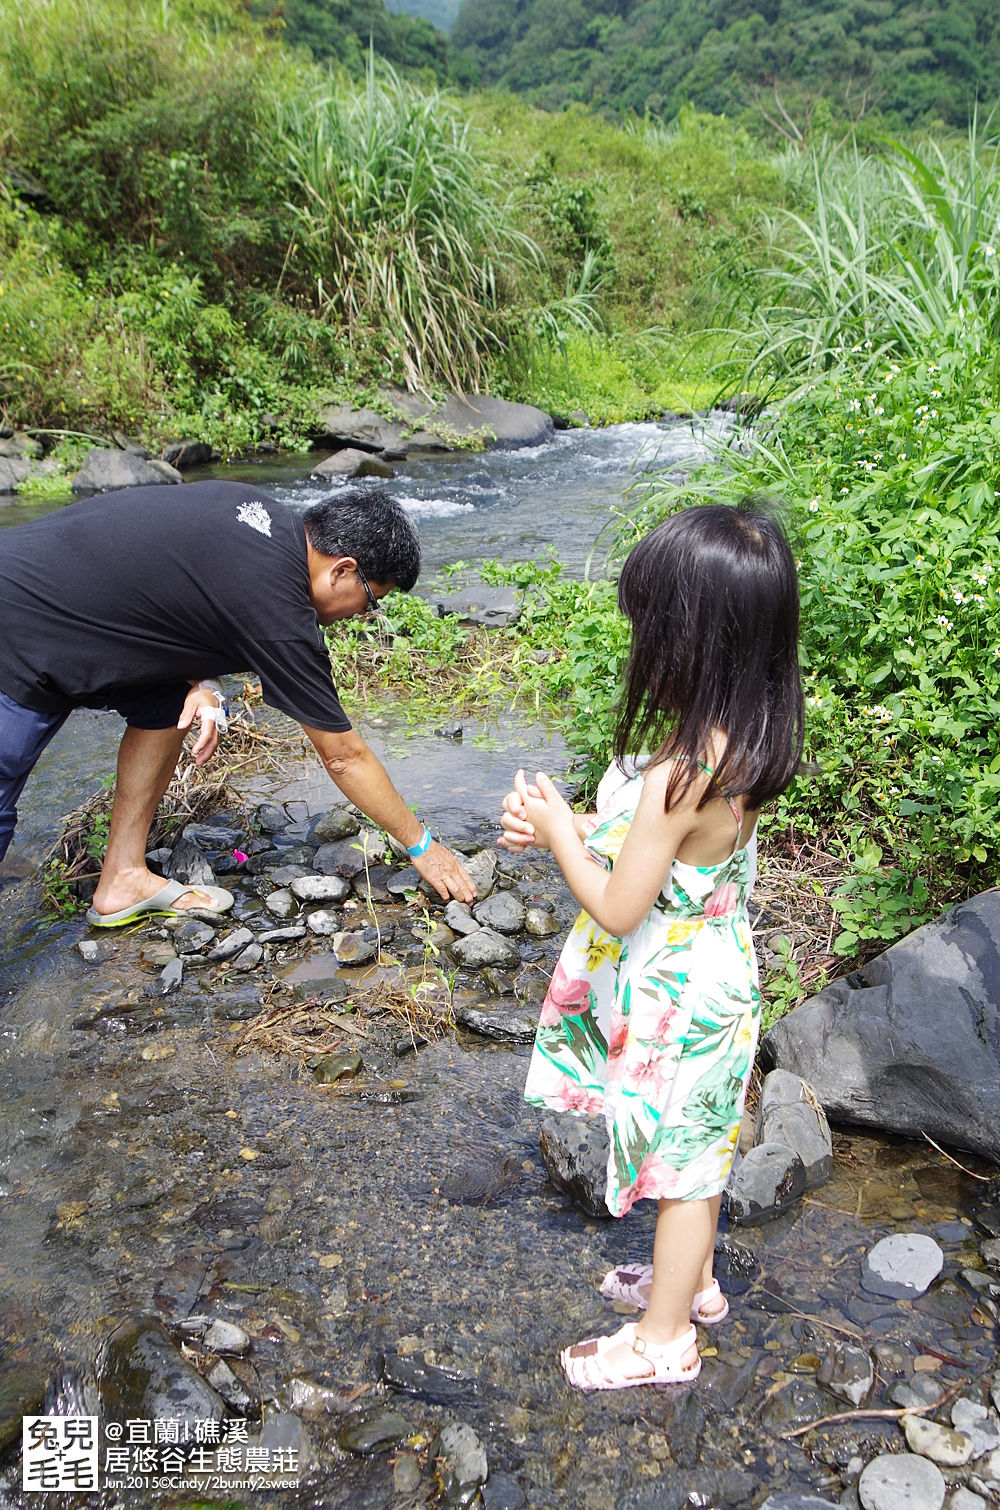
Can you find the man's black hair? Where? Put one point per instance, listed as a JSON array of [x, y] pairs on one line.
[[371, 527]]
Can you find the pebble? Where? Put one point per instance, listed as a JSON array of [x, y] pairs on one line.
[[284, 875], [231, 945], [223, 1379], [282, 935], [353, 948], [340, 859], [482, 867], [942, 1444], [339, 823], [323, 922], [402, 882], [901, 1481], [338, 1067], [226, 1337], [314, 888], [405, 1473], [378, 1432], [171, 976], [484, 947], [905, 1264], [153, 1052], [463, 1466], [281, 904], [849, 1372], [990, 1250], [249, 959], [192, 936], [502, 911], [458, 916], [89, 950], [978, 1424], [539, 922], [964, 1499]]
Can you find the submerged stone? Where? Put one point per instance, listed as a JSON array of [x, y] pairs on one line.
[[22, 1393], [502, 1023], [904, 1264], [142, 1375], [462, 1465], [575, 1153], [378, 1432], [336, 1067], [901, 1481]]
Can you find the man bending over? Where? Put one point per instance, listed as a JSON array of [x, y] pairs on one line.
[[129, 600]]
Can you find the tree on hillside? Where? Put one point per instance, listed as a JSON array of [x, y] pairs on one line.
[[341, 31], [916, 59]]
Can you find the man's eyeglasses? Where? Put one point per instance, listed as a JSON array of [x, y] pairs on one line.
[[373, 603]]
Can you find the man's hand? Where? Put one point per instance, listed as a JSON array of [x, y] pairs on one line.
[[446, 874], [197, 703]]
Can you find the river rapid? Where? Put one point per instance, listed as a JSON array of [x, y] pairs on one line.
[[390, 1245]]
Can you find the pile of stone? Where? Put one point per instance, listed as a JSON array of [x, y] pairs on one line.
[[331, 884]]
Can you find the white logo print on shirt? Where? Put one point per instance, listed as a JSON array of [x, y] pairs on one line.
[[256, 515]]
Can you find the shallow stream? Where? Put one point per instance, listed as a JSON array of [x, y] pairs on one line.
[[392, 1244]]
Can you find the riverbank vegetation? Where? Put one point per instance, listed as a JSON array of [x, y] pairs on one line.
[[202, 233]]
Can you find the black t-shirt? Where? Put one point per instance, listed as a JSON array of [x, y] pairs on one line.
[[159, 584]]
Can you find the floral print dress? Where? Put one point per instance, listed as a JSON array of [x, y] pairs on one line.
[[658, 1029]]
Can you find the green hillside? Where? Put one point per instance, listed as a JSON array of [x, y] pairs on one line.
[[913, 61], [440, 13]]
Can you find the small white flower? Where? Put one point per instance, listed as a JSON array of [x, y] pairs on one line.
[[942, 622], [910, 640], [989, 251], [814, 506]]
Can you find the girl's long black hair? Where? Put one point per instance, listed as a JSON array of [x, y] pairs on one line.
[[713, 598]]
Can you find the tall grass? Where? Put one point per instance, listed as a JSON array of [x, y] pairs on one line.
[[894, 253], [405, 226]]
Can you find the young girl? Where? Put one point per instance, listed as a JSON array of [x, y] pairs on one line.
[[652, 1013]]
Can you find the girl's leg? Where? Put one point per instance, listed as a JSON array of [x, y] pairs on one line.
[[633, 1282], [682, 1254]]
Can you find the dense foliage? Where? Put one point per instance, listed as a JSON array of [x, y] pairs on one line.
[[911, 61]]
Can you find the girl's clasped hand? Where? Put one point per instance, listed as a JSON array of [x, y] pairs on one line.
[[532, 813]]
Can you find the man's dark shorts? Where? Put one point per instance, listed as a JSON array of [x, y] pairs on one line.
[[24, 734]]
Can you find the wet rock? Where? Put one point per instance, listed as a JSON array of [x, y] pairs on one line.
[[504, 1024], [890, 1358], [462, 1465], [287, 875], [910, 1042], [105, 470], [484, 947], [89, 950], [502, 1492], [403, 883], [192, 935], [499, 982], [338, 823], [313, 1400], [917, 1390], [336, 1067], [232, 1390], [433, 932], [575, 1153], [475, 603], [323, 922], [764, 1182], [330, 988], [352, 463], [901, 1481], [170, 977], [270, 818], [849, 1372], [502, 911], [450, 731], [482, 867], [287, 935], [975, 1420], [904, 1264], [416, 1377], [539, 922], [142, 1375], [248, 958], [339, 859], [371, 886], [458, 916], [991, 1252], [796, 1404], [353, 948], [313, 888], [187, 453], [405, 1473], [217, 1335], [942, 1444], [189, 865], [282, 1437], [230, 946], [22, 1393], [797, 1502], [789, 1114], [281, 904], [379, 1431], [685, 1488], [964, 1499]]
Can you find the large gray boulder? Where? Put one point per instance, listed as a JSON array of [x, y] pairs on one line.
[[413, 423], [910, 1043], [104, 470]]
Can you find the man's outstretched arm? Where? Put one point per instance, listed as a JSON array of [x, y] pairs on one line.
[[364, 780]]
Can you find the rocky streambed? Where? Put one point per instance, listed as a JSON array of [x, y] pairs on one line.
[[331, 1264]]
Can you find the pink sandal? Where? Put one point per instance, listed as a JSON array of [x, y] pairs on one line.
[[588, 1364], [628, 1283]]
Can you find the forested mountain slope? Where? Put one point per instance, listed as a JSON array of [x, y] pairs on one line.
[[912, 60]]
